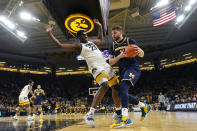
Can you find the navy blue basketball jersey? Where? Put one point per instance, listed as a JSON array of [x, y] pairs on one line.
[[38, 94], [118, 47]]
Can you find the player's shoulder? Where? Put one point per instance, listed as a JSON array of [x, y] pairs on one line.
[[26, 86], [131, 40]]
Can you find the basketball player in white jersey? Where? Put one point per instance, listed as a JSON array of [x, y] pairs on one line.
[[99, 68], [24, 101]]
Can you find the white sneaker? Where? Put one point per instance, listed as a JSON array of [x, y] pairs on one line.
[[29, 118], [115, 116], [15, 118], [89, 118]]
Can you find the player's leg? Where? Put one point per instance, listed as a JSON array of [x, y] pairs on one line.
[[34, 111], [129, 79], [18, 109], [35, 101], [117, 102], [134, 75], [100, 94], [102, 79], [114, 84], [89, 117], [28, 110], [40, 110], [26, 104]]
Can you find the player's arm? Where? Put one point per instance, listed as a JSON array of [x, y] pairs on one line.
[[113, 60], [45, 97], [34, 92], [43, 93], [99, 40], [31, 92], [68, 47], [140, 52]]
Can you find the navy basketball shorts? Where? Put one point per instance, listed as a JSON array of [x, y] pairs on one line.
[[130, 74], [37, 102]]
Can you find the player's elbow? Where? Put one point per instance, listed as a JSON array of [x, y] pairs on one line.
[[99, 42], [111, 63]]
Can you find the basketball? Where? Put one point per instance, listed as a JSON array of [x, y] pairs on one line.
[[130, 51]]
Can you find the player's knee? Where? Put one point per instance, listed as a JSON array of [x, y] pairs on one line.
[[114, 92], [124, 87], [104, 86]]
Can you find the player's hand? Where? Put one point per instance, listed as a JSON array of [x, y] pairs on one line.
[[96, 21], [122, 55], [34, 97], [137, 49], [49, 28]]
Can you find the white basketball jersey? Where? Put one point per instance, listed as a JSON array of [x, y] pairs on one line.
[[93, 56], [26, 90]]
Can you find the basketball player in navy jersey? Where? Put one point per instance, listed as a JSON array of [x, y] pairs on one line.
[[39, 93], [129, 71], [102, 72]]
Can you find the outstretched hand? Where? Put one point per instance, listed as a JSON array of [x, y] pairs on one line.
[[49, 28], [96, 21]]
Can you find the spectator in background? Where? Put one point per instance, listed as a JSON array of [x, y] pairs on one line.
[[161, 100]]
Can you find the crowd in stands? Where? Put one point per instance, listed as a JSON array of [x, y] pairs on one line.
[[178, 84]]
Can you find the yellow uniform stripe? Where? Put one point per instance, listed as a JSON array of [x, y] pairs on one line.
[[113, 80], [104, 74], [23, 104]]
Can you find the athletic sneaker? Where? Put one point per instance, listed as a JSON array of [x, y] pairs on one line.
[[122, 122], [116, 116], [89, 118], [145, 110], [15, 118], [29, 118]]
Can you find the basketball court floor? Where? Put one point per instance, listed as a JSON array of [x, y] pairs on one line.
[[156, 121]]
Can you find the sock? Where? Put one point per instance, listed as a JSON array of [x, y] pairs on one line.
[[141, 105], [118, 111], [91, 111], [124, 112]]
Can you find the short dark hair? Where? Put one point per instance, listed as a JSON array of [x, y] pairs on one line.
[[30, 81], [79, 33], [117, 27]]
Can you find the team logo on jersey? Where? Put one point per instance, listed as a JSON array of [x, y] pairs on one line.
[[76, 22]]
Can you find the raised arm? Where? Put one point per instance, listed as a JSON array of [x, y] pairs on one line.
[[76, 47], [99, 40]]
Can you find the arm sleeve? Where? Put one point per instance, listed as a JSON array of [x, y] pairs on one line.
[[111, 50]]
